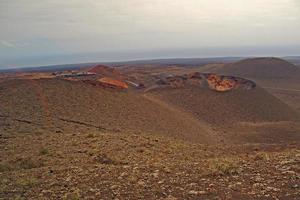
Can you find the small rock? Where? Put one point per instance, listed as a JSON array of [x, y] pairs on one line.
[[193, 184], [202, 192], [46, 191], [170, 197], [155, 174], [68, 178], [295, 186], [289, 172], [92, 190], [167, 170], [141, 183], [272, 189], [113, 187], [256, 185], [193, 192]]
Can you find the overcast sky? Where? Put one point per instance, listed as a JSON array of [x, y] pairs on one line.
[[41, 32]]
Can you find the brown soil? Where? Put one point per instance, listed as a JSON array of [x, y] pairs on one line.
[[110, 165], [216, 108], [63, 139], [62, 105]]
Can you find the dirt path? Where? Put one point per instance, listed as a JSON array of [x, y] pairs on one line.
[[205, 132]]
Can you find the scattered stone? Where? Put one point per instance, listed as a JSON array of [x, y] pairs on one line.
[[193, 184], [167, 170], [193, 192], [113, 187], [155, 174], [272, 189], [202, 192], [170, 197], [141, 183], [295, 186]]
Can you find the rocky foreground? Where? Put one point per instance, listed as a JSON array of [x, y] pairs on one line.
[[106, 165]]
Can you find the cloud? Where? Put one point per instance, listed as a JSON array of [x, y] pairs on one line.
[[31, 27], [7, 44], [13, 44]]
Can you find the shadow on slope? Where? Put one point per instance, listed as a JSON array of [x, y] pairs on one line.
[[227, 111]]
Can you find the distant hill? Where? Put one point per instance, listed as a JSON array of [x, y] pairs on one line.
[[105, 71], [260, 68], [181, 61], [168, 61], [50, 68], [293, 59]]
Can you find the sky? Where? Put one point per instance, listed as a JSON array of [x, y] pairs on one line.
[[45, 32]]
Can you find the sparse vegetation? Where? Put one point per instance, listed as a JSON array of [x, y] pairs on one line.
[[27, 182], [28, 163], [3, 184], [44, 151], [5, 166], [224, 166], [72, 196], [91, 135], [19, 197], [262, 156], [105, 159]]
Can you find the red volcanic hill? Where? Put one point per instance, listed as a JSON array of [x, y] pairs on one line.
[[260, 68], [106, 71], [109, 82], [212, 81], [108, 77]]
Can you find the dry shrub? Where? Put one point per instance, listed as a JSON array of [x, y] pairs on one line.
[[224, 166], [44, 151], [27, 182], [5, 166], [262, 156], [105, 159], [28, 163], [21, 163]]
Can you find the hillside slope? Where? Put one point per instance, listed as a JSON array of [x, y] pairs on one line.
[[59, 105], [189, 113], [255, 105], [239, 116]]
